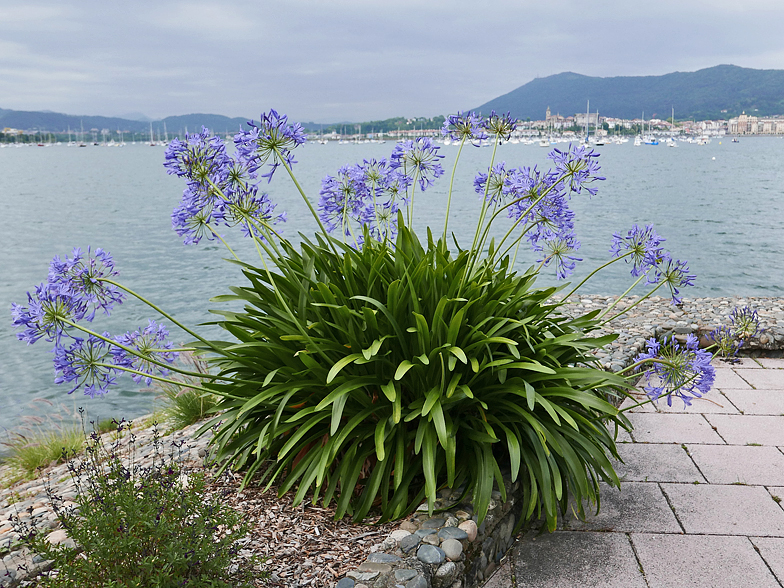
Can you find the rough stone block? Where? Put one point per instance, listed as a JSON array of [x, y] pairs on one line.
[[751, 402]]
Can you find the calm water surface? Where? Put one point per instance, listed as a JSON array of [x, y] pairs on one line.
[[720, 206]]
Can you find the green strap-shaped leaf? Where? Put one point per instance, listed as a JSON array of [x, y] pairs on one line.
[[380, 437], [402, 369], [340, 364]]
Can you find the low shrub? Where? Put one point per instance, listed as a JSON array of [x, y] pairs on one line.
[[141, 526]]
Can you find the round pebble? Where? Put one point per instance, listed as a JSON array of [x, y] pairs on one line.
[[453, 549], [430, 554]]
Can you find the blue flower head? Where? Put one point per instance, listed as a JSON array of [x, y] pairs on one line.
[[47, 312], [501, 125], [87, 364], [644, 247], [418, 159], [745, 323], [343, 199], [151, 344], [672, 369], [579, 165], [82, 276], [270, 141], [464, 126], [497, 178]]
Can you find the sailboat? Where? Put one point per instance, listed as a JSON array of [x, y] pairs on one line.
[[671, 140], [81, 139], [152, 137]]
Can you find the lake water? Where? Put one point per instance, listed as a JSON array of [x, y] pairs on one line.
[[720, 206]]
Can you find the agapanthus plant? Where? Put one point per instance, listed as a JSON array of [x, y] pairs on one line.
[[368, 368]]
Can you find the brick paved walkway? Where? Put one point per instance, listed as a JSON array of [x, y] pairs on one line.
[[700, 503]]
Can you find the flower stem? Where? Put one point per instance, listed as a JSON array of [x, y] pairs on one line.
[[451, 183]]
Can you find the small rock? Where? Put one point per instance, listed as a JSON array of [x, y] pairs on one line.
[[462, 516], [383, 558], [398, 534], [424, 532], [432, 539], [435, 523], [404, 575], [409, 543], [418, 582], [431, 554], [409, 526], [451, 522], [470, 528], [453, 549], [374, 567], [446, 572], [453, 533], [345, 583], [361, 576]]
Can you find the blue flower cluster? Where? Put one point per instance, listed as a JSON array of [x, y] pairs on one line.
[[683, 371], [539, 201], [642, 247], [76, 288], [469, 126], [371, 193], [223, 190]]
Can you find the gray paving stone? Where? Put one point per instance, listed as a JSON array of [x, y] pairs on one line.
[[577, 560], [712, 403], [745, 429], [770, 402], [765, 379], [673, 428], [726, 510], [775, 363], [726, 378], [638, 506], [741, 363], [502, 578], [699, 561], [772, 551], [730, 464], [654, 462], [636, 399]]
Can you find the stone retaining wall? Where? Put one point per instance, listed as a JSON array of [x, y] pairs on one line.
[[447, 550]]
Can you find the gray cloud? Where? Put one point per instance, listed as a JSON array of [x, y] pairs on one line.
[[352, 60]]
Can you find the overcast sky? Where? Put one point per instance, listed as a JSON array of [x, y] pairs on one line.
[[353, 60]]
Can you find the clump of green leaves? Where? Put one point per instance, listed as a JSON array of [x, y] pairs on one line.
[[141, 526], [392, 371]]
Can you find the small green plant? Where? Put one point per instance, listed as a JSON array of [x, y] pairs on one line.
[[776, 499], [42, 441], [141, 526], [184, 405]]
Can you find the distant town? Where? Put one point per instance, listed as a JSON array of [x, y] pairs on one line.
[[553, 124]]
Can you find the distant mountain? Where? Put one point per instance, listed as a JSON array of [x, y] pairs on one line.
[[175, 125], [723, 91]]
